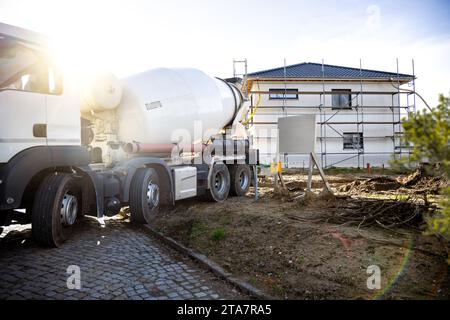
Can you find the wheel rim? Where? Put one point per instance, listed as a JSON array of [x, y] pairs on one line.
[[219, 182], [152, 195], [69, 209], [243, 180]]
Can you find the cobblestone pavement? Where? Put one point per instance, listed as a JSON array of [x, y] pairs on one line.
[[119, 261]]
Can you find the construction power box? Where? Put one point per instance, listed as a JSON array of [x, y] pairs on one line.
[[297, 134]]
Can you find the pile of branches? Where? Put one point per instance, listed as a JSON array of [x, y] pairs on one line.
[[383, 183], [421, 181], [389, 214]]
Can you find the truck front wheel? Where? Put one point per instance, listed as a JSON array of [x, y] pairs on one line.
[[55, 209], [144, 195]]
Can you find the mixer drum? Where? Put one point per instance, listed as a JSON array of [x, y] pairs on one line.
[[101, 92], [169, 105]]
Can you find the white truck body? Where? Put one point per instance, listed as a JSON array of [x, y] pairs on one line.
[[65, 153]]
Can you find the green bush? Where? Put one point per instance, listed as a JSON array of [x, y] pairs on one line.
[[218, 234], [429, 134]]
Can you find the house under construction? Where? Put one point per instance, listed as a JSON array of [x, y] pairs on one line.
[[359, 112]]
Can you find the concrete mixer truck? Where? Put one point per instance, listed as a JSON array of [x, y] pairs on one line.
[[145, 142]]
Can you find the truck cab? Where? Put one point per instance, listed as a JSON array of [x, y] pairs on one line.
[[39, 121], [37, 107]]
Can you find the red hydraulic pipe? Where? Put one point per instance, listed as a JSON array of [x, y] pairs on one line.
[[160, 148]]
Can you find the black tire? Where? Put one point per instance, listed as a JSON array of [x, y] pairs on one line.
[[141, 209], [46, 221], [241, 177], [219, 189]]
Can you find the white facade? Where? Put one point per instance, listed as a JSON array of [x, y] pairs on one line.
[[370, 114]]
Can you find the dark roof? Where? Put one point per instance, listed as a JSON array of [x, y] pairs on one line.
[[307, 70], [233, 80]]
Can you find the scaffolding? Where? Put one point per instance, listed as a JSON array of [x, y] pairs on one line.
[[361, 119]]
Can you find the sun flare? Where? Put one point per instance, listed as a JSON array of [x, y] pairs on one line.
[[81, 39]]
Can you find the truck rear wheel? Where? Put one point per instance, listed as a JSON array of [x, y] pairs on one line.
[[144, 195], [56, 207], [240, 176], [219, 183]]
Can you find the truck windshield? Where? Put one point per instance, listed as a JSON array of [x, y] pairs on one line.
[[24, 69]]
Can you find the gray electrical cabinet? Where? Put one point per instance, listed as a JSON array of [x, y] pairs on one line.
[[297, 134]]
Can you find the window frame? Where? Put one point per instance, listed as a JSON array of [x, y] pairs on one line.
[[283, 96], [58, 80], [52, 73], [339, 95], [352, 146]]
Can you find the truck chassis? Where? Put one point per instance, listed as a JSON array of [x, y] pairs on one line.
[[56, 185]]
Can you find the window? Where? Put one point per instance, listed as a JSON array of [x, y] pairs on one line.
[[279, 94], [24, 69], [341, 99], [353, 140]]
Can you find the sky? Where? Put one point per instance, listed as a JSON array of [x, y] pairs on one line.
[[130, 36]]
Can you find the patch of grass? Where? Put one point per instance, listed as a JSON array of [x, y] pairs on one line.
[[278, 291], [217, 234], [252, 281], [376, 259], [374, 170], [226, 220], [198, 229], [336, 170]]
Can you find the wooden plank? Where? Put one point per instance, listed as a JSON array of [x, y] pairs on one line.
[[322, 174]]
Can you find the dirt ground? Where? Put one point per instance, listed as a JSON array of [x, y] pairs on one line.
[[319, 246]]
